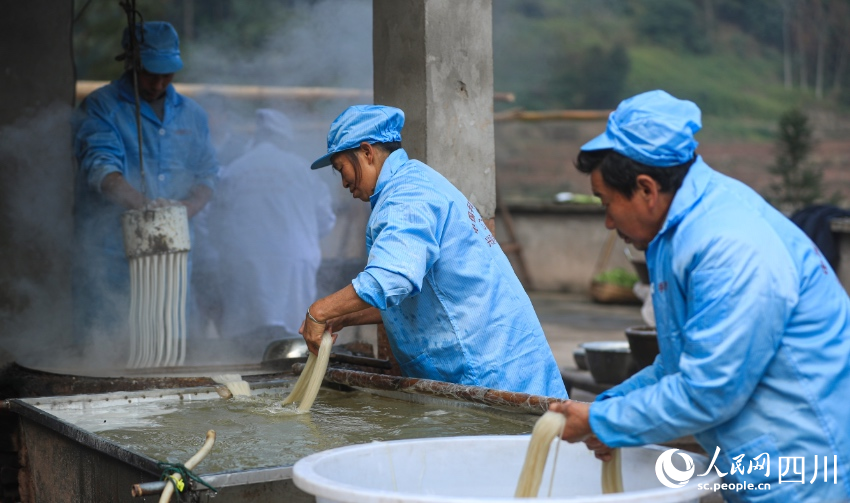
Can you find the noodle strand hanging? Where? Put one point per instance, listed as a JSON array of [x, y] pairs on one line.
[[307, 387], [156, 241], [549, 427]]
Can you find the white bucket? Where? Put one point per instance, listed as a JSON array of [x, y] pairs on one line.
[[155, 231], [479, 469]]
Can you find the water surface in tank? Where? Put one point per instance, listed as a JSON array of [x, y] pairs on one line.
[[259, 432]]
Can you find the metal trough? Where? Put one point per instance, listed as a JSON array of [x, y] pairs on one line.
[[64, 462]]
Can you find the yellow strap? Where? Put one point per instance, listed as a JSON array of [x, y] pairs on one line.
[[178, 482]]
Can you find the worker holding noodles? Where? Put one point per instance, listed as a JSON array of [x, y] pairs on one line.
[[451, 304], [753, 325]]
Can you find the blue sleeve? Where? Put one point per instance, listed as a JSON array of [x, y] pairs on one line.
[[646, 377], [405, 246], [97, 144], [736, 313]]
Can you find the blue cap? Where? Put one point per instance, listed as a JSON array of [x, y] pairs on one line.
[[369, 123], [651, 128], [159, 48]]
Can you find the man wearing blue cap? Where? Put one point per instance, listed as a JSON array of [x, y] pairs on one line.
[[451, 304], [179, 165], [753, 325]]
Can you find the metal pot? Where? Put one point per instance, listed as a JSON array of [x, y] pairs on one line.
[[643, 342], [610, 362]]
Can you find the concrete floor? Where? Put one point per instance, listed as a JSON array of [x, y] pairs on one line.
[[571, 319]]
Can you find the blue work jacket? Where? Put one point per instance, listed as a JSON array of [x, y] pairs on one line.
[[754, 332], [450, 301]]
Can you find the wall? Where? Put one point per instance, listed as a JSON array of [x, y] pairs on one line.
[[36, 172], [561, 244]]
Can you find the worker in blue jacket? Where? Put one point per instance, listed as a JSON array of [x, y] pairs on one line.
[[451, 304], [753, 325], [179, 165]]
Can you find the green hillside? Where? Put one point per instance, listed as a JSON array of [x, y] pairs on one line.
[[729, 59]]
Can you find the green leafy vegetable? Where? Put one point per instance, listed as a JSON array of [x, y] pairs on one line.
[[617, 276]]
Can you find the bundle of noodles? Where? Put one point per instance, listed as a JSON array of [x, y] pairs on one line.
[[156, 242], [612, 474], [549, 427], [307, 387]]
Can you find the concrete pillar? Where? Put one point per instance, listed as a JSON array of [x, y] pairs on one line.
[[434, 60], [36, 173]]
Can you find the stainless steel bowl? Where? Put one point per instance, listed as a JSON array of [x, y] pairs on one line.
[[610, 362]]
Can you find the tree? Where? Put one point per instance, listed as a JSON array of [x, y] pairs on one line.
[[799, 182], [673, 23]]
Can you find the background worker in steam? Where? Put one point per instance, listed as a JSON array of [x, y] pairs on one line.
[[179, 165], [264, 229]]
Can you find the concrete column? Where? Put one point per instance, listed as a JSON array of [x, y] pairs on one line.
[[434, 60], [36, 173]]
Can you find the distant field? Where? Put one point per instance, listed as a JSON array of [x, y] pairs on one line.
[[534, 161]]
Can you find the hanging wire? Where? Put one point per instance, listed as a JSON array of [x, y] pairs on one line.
[[132, 54]]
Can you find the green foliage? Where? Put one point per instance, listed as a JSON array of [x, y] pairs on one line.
[[591, 79], [799, 182], [562, 53], [672, 23], [723, 85], [617, 276], [760, 18], [579, 54]]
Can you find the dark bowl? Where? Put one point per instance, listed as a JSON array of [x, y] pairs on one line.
[[580, 357], [609, 362], [643, 342]]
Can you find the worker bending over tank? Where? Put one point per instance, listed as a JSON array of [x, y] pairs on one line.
[[753, 325], [451, 304]]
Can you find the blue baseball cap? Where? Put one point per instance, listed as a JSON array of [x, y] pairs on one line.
[[652, 128], [159, 48], [359, 123]]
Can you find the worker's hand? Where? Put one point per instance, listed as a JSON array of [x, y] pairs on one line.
[[577, 428], [161, 202], [600, 450], [312, 333], [338, 323]]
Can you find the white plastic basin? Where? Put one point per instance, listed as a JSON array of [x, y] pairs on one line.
[[478, 469]]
